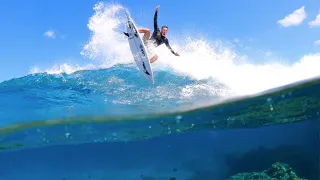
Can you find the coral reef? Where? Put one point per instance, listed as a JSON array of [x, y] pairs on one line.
[[303, 159], [278, 171]]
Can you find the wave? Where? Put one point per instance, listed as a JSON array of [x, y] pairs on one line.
[[116, 91], [201, 58]]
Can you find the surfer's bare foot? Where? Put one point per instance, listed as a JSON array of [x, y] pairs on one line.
[[153, 59]]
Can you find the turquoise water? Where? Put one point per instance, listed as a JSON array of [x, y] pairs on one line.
[[209, 115], [71, 126], [84, 107]]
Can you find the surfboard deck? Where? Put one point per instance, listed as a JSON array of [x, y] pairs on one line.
[[138, 51]]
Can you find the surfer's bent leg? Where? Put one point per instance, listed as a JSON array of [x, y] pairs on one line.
[[153, 59], [146, 33]]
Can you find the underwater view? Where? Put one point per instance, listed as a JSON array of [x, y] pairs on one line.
[[210, 114]]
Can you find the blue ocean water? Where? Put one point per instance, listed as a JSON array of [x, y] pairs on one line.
[[112, 91], [72, 126], [206, 117]]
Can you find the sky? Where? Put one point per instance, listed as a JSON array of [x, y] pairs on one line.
[[45, 33]]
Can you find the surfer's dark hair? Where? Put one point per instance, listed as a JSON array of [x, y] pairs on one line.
[[164, 27]]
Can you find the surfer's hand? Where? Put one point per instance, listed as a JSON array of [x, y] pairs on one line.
[[157, 7], [177, 54]]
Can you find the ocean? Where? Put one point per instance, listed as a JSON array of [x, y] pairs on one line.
[[211, 114]]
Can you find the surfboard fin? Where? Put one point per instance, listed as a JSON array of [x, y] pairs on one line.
[[126, 34]]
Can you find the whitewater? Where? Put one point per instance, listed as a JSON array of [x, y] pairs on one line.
[[202, 60]]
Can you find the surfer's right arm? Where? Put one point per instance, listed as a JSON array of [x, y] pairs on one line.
[[155, 18]]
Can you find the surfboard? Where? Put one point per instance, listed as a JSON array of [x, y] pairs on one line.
[[138, 51]]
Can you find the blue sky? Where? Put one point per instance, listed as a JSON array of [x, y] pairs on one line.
[[44, 33]]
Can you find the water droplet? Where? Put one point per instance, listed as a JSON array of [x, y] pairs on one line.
[[179, 117], [178, 130], [114, 134], [149, 127], [67, 135], [271, 108], [269, 99], [192, 125]]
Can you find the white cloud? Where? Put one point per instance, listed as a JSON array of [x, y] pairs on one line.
[[315, 22], [50, 34], [317, 42], [236, 40], [294, 18]]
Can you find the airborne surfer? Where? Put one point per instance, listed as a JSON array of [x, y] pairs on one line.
[[158, 37]]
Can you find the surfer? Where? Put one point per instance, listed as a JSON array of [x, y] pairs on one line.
[[158, 37]]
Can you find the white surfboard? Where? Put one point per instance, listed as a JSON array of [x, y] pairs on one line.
[[139, 52]]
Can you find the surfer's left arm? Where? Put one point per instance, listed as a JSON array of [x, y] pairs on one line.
[[169, 47]]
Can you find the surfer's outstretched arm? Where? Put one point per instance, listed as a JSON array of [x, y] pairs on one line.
[[155, 19], [169, 47]]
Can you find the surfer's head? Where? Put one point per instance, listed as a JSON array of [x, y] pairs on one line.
[[164, 30]]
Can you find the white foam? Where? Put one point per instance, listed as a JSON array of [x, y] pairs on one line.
[[63, 68], [107, 43], [201, 60]]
